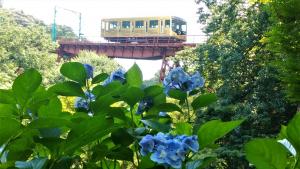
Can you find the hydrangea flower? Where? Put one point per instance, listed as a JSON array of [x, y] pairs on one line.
[[178, 79], [83, 103], [89, 70], [118, 75], [167, 149], [144, 105]]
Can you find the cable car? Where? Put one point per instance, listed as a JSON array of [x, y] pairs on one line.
[[164, 29]]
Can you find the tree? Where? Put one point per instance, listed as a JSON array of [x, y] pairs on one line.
[[23, 47], [101, 63], [283, 40], [237, 66]]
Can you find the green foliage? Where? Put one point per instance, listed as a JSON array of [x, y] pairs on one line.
[[283, 40], [239, 68], [101, 64], [187, 58], [39, 134], [266, 154], [24, 46], [270, 154], [215, 129]]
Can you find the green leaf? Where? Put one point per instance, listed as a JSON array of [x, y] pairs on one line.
[[8, 128], [20, 148], [204, 100], [134, 76], [99, 152], [86, 131], [8, 110], [156, 125], [132, 96], [121, 136], [67, 89], [50, 132], [164, 107], [100, 78], [183, 128], [36, 163], [146, 162], [153, 91], [25, 85], [49, 123], [74, 71], [215, 129], [121, 153], [52, 109], [177, 94], [266, 154], [293, 132], [7, 96]]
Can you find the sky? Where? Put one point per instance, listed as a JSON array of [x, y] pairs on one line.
[[94, 10]]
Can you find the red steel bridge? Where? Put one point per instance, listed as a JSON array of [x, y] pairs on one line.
[[151, 50]]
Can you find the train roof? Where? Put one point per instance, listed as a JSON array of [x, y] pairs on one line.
[[141, 18]]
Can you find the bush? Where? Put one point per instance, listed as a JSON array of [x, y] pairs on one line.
[[117, 123]]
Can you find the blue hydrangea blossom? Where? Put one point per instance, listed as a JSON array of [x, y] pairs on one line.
[[168, 150], [178, 79], [144, 105], [83, 103], [118, 75], [89, 70]]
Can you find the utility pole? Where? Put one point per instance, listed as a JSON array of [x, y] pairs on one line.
[[54, 36]]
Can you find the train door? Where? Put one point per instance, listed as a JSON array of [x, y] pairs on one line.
[[146, 26]]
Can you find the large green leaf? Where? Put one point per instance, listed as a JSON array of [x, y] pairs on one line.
[[215, 129], [183, 128], [21, 148], [8, 128], [164, 107], [204, 100], [134, 76], [99, 78], [121, 136], [37, 163], [177, 94], [156, 125], [266, 154], [293, 132], [121, 153], [49, 123], [87, 131], [74, 71], [8, 110], [153, 91], [25, 85], [7, 96], [68, 88], [52, 109], [132, 96]]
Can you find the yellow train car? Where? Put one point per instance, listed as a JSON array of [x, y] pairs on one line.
[[144, 29]]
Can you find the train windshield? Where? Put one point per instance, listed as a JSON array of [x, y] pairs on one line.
[[179, 26]]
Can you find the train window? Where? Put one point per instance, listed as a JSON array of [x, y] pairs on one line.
[[167, 23], [113, 25], [139, 24], [153, 24], [126, 24]]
